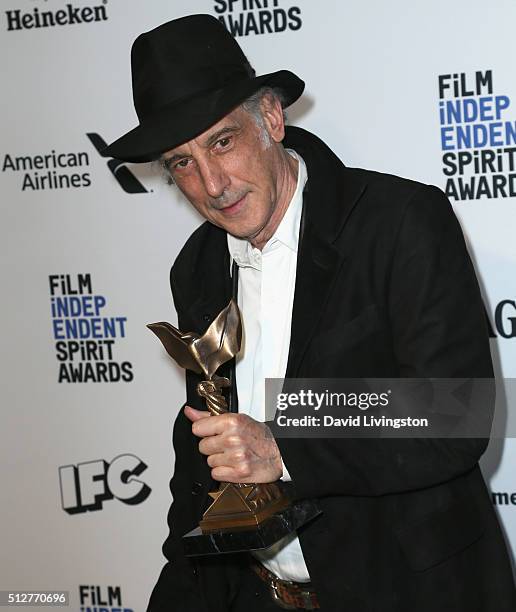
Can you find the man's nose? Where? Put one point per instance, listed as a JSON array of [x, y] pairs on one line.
[[214, 177]]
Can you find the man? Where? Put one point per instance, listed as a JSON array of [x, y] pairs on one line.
[[341, 273]]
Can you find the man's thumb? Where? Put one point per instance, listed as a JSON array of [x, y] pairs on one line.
[[196, 415]]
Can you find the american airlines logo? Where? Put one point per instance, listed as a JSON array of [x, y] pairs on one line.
[[124, 177]]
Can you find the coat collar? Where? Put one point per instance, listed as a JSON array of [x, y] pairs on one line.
[[332, 190], [330, 195]]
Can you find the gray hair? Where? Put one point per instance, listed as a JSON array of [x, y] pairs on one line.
[[253, 102], [251, 105]]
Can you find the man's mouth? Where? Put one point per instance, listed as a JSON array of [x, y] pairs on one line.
[[234, 208]]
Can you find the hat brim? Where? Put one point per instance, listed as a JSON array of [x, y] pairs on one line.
[[184, 120]]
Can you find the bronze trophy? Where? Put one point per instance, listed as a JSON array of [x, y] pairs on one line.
[[242, 516]]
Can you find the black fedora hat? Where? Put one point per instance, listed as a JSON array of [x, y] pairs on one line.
[[187, 74]]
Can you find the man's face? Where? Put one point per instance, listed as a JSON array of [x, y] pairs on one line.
[[231, 172]]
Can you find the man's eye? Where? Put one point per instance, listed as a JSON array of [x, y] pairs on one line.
[[182, 163], [224, 142]]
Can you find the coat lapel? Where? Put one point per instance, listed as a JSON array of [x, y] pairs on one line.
[[317, 266], [209, 286], [330, 195]]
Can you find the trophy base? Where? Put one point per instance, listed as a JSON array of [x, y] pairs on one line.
[[257, 537], [232, 508]]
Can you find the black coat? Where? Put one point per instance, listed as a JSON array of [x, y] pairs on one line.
[[384, 288]]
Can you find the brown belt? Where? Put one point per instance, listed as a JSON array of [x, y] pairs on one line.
[[286, 594]]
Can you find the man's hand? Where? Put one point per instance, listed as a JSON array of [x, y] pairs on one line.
[[239, 449]]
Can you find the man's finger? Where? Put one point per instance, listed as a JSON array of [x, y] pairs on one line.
[[196, 415], [210, 445], [217, 460], [210, 427], [224, 473]]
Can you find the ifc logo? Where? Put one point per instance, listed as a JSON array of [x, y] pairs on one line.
[[85, 486]]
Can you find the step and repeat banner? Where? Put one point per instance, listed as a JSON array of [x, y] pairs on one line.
[[423, 90]]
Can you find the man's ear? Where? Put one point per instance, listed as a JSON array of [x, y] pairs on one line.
[[272, 114]]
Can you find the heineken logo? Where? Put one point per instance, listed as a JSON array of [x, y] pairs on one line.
[[69, 15]]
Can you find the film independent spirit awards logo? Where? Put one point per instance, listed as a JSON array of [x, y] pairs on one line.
[[246, 17], [86, 336], [478, 137], [99, 598]]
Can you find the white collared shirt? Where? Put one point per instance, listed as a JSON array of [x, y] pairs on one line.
[[266, 283]]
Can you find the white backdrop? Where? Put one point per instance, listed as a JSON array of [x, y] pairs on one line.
[[70, 517]]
